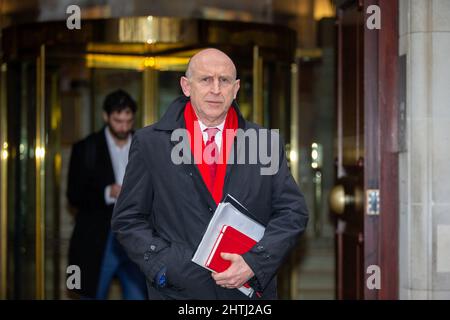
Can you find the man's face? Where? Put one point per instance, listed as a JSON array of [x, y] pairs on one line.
[[211, 87], [120, 123]]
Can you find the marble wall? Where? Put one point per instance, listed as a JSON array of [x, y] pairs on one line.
[[425, 165]]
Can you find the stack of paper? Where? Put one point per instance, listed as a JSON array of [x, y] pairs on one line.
[[230, 230]]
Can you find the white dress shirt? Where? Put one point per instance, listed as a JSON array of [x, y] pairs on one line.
[[119, 161]]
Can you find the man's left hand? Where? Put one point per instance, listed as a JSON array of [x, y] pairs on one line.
[[237, 273]]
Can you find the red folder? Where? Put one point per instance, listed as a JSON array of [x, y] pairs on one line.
[[230, 240]]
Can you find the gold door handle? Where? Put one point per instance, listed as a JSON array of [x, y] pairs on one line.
[[346, 196], [337, 199]]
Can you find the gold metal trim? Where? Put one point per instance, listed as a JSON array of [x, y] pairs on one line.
[[293, 158], [53, 200], [163, 63], [3, 187], [150, 96], [138, 48], [40, 174], [309, 54], [150, 29], [294, 150], [258, 114]]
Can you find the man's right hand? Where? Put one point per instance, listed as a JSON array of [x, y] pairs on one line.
[[115, 190]]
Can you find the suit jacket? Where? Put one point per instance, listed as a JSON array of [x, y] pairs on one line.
[[90, 171], [164, 209]]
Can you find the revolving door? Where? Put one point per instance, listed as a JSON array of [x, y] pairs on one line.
[[53, 82]]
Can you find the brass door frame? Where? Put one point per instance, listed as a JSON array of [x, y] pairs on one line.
[[258, 72], [3, 185], [40, 157], [150, 96], [39, 167]]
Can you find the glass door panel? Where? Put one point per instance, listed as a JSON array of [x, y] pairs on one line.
[[21, 106], [32, 183]]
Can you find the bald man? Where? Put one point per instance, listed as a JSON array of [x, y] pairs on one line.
[[165, 205]]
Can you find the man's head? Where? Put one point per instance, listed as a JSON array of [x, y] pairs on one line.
[[119, 110], [211, 84]]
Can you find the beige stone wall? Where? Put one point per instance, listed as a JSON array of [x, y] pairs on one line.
[[425, 166]]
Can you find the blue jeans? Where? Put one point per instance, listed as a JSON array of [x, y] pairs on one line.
[[116, 263]]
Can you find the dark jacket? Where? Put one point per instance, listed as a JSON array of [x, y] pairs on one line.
[[164, 209], [90, 171]]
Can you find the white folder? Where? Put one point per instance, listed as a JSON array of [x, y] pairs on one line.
[[227, 213]]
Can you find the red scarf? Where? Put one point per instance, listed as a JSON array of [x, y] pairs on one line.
[[198, 146]]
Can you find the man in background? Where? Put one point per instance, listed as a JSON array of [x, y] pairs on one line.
[[96, 170]]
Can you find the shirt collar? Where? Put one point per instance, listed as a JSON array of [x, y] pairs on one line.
[[203, 126]]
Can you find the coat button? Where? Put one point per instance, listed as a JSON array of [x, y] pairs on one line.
[[153, 247], [210, 209], [190, 173]]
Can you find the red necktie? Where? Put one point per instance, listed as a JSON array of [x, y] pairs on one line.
[[211, 156]]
